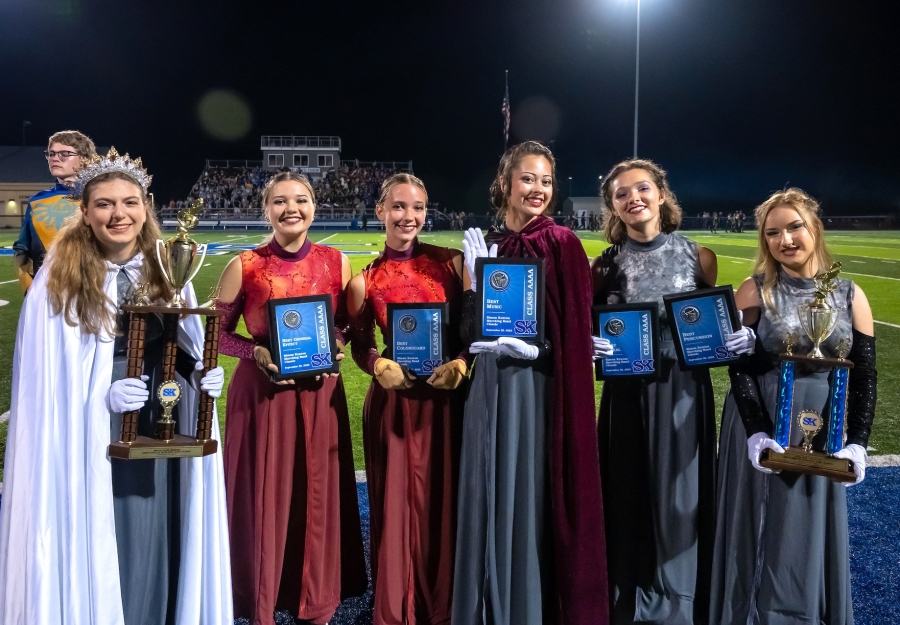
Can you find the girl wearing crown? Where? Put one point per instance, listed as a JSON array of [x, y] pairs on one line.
[[296, 542], [85, 539], [782, 550], [411, 425]]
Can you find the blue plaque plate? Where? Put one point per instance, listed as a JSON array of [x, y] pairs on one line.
[[699, 321], [302, 336], [416, 336], [633, 331], [510, 298]]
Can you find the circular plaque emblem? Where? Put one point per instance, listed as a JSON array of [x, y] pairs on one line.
[[810, 421], [291, 319], [614, 327], [169, 392], [407, 324], [499, 280], [690, 314]]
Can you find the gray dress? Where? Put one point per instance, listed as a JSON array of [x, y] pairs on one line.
[[504, 550], [782, 552], [657, 450], [146, 498]]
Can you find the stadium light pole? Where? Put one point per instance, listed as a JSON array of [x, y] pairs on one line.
[[637, 75], [570, 186]]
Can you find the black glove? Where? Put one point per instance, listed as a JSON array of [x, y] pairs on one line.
[[861, 389]]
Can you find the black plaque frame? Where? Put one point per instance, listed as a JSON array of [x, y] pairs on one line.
[[669, 300], [274, 343], [653, 309], [480, 264], [393, 308]]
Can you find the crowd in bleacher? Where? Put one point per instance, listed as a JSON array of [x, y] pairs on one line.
[[236, 191]]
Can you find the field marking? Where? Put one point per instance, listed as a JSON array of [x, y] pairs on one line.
[[10, 281], [846, 273], [885, 323], [320, 241]]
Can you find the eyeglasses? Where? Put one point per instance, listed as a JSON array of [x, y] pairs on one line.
[[65, 154]]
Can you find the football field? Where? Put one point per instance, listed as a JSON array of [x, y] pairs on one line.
[[871, 259]]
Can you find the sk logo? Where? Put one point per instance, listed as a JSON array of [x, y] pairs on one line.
[[168, 392], [321, 360], [525, 327]]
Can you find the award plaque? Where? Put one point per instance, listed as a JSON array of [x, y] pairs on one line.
[[818, 320], [510, 298], [416, 336], [699, 321], [179, 258], [633, 330], [301, 331]]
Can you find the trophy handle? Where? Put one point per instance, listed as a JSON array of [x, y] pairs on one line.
[[204, 246], [162, 265]]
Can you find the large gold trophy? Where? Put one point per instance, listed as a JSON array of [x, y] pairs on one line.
[[818, 320], [178, 259]]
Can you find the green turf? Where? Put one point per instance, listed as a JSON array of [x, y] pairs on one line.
[[871, 259]]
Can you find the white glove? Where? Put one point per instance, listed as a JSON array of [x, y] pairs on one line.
[[858, 456], [212, 382], [743, 341], [602, 347], [755, 446], [474, 247], [506, 346], [127, 394]]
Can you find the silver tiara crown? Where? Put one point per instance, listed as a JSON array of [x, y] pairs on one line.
[[113, 161]]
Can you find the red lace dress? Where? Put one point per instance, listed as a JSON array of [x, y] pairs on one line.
[[296, 542], [412, 441]]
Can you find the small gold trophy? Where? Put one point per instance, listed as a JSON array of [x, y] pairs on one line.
[[818, 320], [178, 256], [178, 259]]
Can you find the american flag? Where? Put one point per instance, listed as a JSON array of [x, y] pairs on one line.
[[505, 110]]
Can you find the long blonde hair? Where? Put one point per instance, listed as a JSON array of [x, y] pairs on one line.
[[669, 213], [77, 268], [808, 209]]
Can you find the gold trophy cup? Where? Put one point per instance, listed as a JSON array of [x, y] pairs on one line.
[[178, 256], [818, 318]]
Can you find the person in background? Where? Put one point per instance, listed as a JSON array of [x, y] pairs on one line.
[[296, 541], [782, 552], [657, 436], [412, 426], [48, 210]]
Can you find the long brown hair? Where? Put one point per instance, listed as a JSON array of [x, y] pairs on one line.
[[808, 209], [501, 188], [669, 213], [77, 267]]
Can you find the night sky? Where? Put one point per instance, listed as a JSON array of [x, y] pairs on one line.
[[738, 97]]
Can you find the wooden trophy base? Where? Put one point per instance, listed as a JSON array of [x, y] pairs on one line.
[[811, 463], [146, 448]]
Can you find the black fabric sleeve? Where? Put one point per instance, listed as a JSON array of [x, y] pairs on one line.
[[745, 391], [184, 363], [861, 389], [467, 323]]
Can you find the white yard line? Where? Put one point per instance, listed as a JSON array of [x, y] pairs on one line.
[[846, 273], [885, 323], [10, 281], [326, 238]]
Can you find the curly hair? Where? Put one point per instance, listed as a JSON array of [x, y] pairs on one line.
[[809, 211], [502, 185], [77, 266], [81, 142], [669, 213]]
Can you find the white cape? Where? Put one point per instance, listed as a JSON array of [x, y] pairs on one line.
[[58, 558]]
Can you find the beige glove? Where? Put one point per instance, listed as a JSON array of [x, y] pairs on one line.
[[449, 375], [392, 376], [24, 273], [263, 358]]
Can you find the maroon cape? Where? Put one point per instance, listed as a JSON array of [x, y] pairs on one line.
[[577, 506]]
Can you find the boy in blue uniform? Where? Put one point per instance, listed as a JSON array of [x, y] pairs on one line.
[[47, 211]]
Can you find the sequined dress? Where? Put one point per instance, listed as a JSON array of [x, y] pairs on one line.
[[412, 442], [296, 542], [782, 547], [658, 449]]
